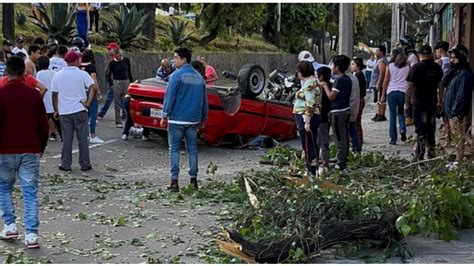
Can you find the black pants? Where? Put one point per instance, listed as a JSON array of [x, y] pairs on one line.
[[129, 122], [425, 128], [340, 126], [94, 17], [57, 124], [309, 141]]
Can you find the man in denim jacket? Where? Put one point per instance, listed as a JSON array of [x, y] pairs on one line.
[[185, 109]]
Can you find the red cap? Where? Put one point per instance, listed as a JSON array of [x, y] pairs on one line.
[[72, 56], [112, 45]]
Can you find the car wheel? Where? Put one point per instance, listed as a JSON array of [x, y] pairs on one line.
[[251, 80]]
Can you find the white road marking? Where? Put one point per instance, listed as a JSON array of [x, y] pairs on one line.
[[90, 147]]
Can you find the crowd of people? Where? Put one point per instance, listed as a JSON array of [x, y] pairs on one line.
[[60, 96], [417, 86]]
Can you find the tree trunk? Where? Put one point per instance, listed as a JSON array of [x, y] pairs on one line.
[[330, 234], [8, 24], [149, 27], [209, 38], [197, 22]]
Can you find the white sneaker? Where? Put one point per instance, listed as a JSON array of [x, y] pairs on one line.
[[124, 137], [31, 240], [145, 138], [9, 232], [96, 140], [322, 172]]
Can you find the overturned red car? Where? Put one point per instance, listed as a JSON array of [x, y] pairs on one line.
[[233, 111]]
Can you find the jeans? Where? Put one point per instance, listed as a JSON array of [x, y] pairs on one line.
[[93, 108], [26, 166], [425, 128], [309, 141], [354, 135], [368, 76], [176, 133], [396, 101], [109, 98]]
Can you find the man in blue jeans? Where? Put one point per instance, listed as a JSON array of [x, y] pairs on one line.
[[185, 109], [24, 129]]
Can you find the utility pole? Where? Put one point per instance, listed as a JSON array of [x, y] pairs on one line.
[[278, 25], [346, 29], [395, 33]]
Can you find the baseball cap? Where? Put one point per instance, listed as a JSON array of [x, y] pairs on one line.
[[112, 45], [72, 56], [305, 56], [7, 42], [426, 49], [20, 39]]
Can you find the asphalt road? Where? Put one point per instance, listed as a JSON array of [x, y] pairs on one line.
[[120, 211]]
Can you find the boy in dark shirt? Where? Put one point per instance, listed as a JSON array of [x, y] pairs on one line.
[[339, 113]]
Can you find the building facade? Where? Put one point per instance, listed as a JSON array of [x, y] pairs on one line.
[[453, 22]]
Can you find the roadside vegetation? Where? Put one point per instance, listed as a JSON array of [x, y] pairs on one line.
[[218, 27]]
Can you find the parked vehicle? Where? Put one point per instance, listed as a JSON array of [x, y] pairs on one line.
[[233, 111]]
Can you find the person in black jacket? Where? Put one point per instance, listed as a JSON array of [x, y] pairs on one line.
[[119, 76], [457, 98], [424, 80]]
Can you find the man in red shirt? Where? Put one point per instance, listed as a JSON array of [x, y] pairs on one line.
[[24, 130], [29, 80]]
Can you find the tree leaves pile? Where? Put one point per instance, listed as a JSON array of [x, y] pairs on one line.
[[428, 198]]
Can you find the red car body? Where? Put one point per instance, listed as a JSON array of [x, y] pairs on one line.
[[229, 114]]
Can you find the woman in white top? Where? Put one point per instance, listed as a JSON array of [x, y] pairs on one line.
[[368, 71], [395, 86]]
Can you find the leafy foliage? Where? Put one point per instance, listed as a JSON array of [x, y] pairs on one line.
[[428, 197], [176, 31], [373, 22], [58, 21], [227, 18], [125, 27], [297, 21]]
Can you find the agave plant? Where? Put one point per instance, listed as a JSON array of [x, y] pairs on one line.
[[20, 19], [176, 31], [58, 21], [126, 26]]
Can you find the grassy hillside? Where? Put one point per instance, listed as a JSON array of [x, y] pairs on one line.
[[230, 43]]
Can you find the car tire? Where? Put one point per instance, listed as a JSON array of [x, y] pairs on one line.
[[251, 80]]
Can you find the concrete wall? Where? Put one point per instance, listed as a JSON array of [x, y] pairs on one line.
[[144, 65]]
